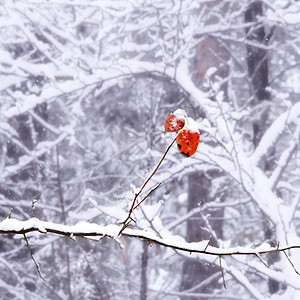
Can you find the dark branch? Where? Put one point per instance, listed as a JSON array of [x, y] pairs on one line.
[[33, 258], [134, 202], [95, 231]]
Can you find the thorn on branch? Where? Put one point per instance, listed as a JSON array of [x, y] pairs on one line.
[[102, 237], [131, 219], [32, 256], [207, 244], [72, 237]]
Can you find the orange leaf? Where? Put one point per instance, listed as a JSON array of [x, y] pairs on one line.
[[173, 123], [187, 142]]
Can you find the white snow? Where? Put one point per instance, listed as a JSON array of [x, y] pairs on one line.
[[292, 115], [190, 125], [112, 230], [16, 225], [78, 69], [24, 160], [180, 114]]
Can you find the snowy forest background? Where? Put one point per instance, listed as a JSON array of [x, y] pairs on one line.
[[85, 89]]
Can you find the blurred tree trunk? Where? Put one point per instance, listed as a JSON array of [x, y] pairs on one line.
[[210, 53], [196, 272], [144, 282], [257, 60]]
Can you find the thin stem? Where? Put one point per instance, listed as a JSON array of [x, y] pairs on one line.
[[222, 272], [134, 205], [259, 257], [291, 263], [152, 190], [32, 256]]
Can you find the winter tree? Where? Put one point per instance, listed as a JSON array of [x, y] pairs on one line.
[[96, 200]]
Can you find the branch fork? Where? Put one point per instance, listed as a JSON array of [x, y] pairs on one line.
[[135, 202]]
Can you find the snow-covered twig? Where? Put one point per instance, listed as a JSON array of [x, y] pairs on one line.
[[284, 159], [273, 133]]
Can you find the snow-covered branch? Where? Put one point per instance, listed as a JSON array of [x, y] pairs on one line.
[[25, 160], [97, 232], [273, 133]]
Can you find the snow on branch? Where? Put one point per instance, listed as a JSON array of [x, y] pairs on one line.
[[24, 160], [284, 159], [273, 133], [124, 68], [97, 232]]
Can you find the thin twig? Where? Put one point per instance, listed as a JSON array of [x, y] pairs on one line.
[[222, 271], [133, 206], [33, 207], [152, 190], [260, 258], [158, 165], [32, 256], [207, 243], [291, 263]]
